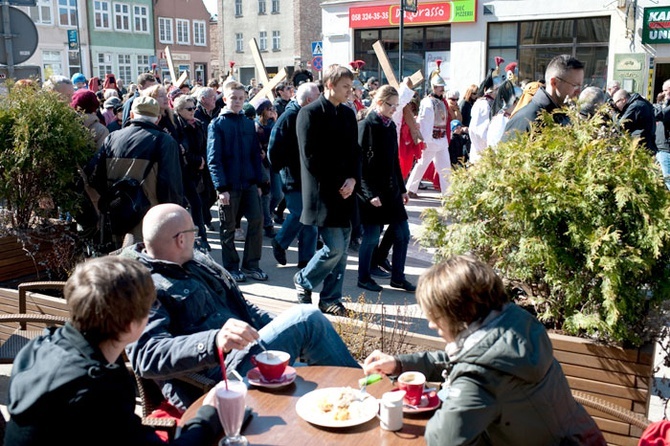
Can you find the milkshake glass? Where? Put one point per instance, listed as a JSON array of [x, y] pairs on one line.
[[230, 404]]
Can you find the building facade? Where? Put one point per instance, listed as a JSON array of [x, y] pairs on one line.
[[467, 35], [122, 38], [183, 26], [283, 29], [63, 46]]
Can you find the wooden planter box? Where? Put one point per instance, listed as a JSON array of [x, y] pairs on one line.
[[15, 263]]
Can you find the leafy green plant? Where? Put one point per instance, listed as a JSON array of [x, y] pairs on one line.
[[42, 143], [577, 221]]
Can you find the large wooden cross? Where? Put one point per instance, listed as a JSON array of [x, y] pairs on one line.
[[385, 63], [173, 74], [268, 84]]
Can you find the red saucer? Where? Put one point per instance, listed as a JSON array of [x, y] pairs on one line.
[[255, 378], [429, 401]]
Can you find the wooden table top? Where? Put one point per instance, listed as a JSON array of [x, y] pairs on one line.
[[275, 421]]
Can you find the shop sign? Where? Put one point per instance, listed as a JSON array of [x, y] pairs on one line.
[[656, 25], [456, 11]]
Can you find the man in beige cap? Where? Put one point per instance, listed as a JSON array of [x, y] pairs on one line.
[[143, 152]]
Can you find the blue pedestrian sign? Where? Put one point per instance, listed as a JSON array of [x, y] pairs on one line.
[[317, 48]]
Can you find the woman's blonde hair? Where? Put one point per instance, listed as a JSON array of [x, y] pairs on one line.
[[460, 290], [384, 93]]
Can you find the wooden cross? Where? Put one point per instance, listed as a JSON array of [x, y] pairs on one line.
[[385, 63], [173, 74], [268, 84]]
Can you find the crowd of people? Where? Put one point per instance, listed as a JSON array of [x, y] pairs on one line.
[[341, 159]]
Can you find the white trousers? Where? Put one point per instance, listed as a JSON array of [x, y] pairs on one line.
[[437, 154]]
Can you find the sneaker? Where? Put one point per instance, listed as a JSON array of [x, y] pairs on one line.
[[404, 284], [240, 235], [336, 308], [269, 231], [369, 285], [278, 252], [385, 265], [378, 272], [304, 295], [411, 194], [238, 275], [255, 273]]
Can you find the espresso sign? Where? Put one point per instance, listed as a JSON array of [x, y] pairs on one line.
[[656, 25]]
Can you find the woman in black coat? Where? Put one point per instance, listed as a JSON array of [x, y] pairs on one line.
[[382, 195]]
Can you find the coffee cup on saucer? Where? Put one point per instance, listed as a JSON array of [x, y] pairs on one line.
[[271, 364], [412, 383]]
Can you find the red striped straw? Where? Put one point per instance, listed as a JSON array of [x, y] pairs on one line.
[[223, 367]]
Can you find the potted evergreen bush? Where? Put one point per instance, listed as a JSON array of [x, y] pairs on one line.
[[42, 144], [577, 221]]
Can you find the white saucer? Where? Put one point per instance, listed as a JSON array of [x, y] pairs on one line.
[[254, 377]]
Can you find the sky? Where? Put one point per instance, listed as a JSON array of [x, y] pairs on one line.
[[211, 6]]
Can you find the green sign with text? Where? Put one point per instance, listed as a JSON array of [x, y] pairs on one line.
[[656, 25]]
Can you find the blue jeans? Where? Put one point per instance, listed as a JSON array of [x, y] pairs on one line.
[[327, 265], [276, 193], [399, 233], [292, 227], [663, 159], [303, 332]]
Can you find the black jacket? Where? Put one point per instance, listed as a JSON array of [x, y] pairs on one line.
[[637, 118], [63, 391], [283, 151], [329, 154], [381, 176], [522, 119]]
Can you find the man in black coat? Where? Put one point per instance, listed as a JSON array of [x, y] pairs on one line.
[[636, 116], [330, 170], [564, 77]]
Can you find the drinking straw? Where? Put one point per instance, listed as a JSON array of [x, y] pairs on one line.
[[223, 367]]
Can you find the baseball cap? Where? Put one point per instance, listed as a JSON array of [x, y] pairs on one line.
[[146, 106]]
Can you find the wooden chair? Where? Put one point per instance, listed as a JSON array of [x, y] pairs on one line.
[[23, 333]]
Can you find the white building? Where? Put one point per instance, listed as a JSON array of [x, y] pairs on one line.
[[468, 34]]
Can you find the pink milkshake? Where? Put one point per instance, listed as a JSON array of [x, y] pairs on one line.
[[230, 405]]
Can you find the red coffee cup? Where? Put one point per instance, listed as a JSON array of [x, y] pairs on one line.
[[271, 364], [412, 383]]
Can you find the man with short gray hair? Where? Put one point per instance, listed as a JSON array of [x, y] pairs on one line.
[[61, 85], [284, 155], [636, 117], [206, 109]]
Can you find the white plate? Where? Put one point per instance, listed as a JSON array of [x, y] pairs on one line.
[[307, 408]]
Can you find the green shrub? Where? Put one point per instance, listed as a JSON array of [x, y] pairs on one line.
[[577, 217], [42, 143]]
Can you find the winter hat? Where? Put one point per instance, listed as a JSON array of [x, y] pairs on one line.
[[78, 77], [85, 100], [146, 106], [264, 105], [455, 123], [111, 102], [249, 111]]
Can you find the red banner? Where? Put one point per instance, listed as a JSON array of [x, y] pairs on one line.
[[389, 15]]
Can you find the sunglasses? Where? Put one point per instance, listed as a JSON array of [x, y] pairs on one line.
[[194, 231], [189, 108]]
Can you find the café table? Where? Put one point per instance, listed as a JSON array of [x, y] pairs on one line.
[[275, 421]]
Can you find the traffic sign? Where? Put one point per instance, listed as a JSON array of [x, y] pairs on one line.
[[317, 48], [317, 63], [24, 32]]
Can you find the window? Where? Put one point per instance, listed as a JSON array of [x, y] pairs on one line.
[[101, 13], [52, 63], [263, 41], [535, 43], [41, 14], [199, 33], [104, 65], [67, 12], [164, 30], [142, 63], [74, 62], [276, 41], [275, 6], [239, 42], [261, 6], [121, 17], [125, 68], [141, 16], [238, 8], [199, 69], [183, 37]]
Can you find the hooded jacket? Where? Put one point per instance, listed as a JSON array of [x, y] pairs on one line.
[[63, 391], [504, 387], [637, 118]]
